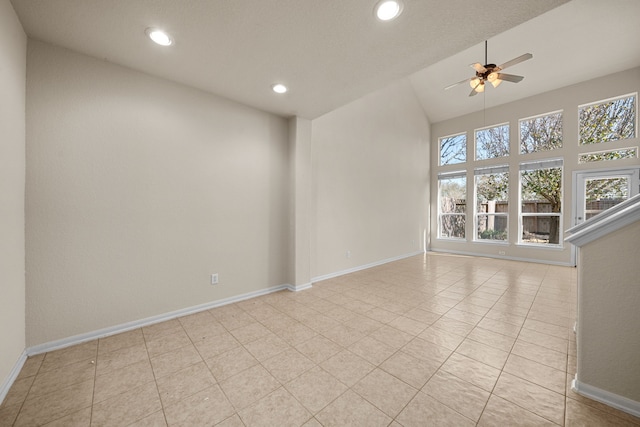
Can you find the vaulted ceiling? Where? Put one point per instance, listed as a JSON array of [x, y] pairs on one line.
[[332, 52]]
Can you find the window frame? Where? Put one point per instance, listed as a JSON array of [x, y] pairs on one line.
[[603, 101], [466, 145], [475, 142], [542, 164], [452, 175], [523, 153], [476, 214]]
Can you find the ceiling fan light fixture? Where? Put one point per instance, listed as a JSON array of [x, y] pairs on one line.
[[386, 10], [474, 82], [279, 88], [496, 82], [159, 37], [480, 87]]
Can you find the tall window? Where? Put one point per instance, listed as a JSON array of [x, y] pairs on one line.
[[492, 142], [540, 202], [610, 120], [453, 149], [541, 133], [492, 203], [452, 205]]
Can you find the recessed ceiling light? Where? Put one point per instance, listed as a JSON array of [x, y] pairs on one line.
[[387, 10], [279, 88], [159, 36]]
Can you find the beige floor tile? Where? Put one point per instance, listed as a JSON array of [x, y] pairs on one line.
[[532, 397], [318, 348], [424, 411], [312, 423], [352, 410], [365, 324], [157, 419], [453, 326], [184, 383], [122, 380], [31, 366], [343, 335], [457, 394], [156, 330], [248, 386], [547, 328], [499, 327], [279, 408], [426, 350], [483, 353], [81, 418], [18, 392], [54, 360], [391, 336], [235, 320], [207, 407], [232, 362], [540, 354], [579, 414], [168, 342], [554, 343], [441, 338], [472, 371], [120, 341], [424, 316], [500, 412], [232, 421], [251, 332], [116, 359], [347, 367], [545, 376], [413, 371], [175, 360], [570, 394], [267, 347], [202, 331], [385, 392], [408, 325], [463, 316], [295, 333], [288, 365], [381, 315], [209, 347], [315, 389], [197, 319], [8, 414], [493, 339], [45, 408], [66, 375], [372, 350]]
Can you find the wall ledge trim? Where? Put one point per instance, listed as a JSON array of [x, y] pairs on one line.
[[124, 327], [13, 375], [614, 400], [364, 267]]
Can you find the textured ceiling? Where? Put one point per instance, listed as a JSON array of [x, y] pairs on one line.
[[328, 52]]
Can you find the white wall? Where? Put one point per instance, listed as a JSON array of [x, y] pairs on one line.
[[609, 319], [137, 190], [566, 99], [370, 178], [13, 51]]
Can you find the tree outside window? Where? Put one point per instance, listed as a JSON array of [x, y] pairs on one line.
[[452, 206], [542, 133], [492, 205], [492, 142], [541, 201], [608, 120], [453, 149]]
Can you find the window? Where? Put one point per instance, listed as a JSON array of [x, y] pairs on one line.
[[541, 133], [625, 153], [540, 202], [492, 142], [453, 149], [492, 206], [452, 205], [609, 120]]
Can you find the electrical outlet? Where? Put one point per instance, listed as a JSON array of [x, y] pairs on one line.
[[348, 254], [501, 252], [214, 279]]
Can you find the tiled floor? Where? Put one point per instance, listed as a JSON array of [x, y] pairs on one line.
[[436, 340]]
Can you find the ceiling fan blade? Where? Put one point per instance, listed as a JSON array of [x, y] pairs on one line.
[[459, 83], [477, 89], [478, 67], [515, 61], [510, 77]]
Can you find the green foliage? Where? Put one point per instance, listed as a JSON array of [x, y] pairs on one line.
[[492, 142], [493, 234], [492, 187], [608, 121], [541, 133]]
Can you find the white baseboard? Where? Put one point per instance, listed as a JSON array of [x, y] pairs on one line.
[[508, 258], [297, 288], [124, 327], [363, 267], [8, 382], [619, 402]]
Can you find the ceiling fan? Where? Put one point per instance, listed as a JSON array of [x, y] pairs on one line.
[[491, 73]]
